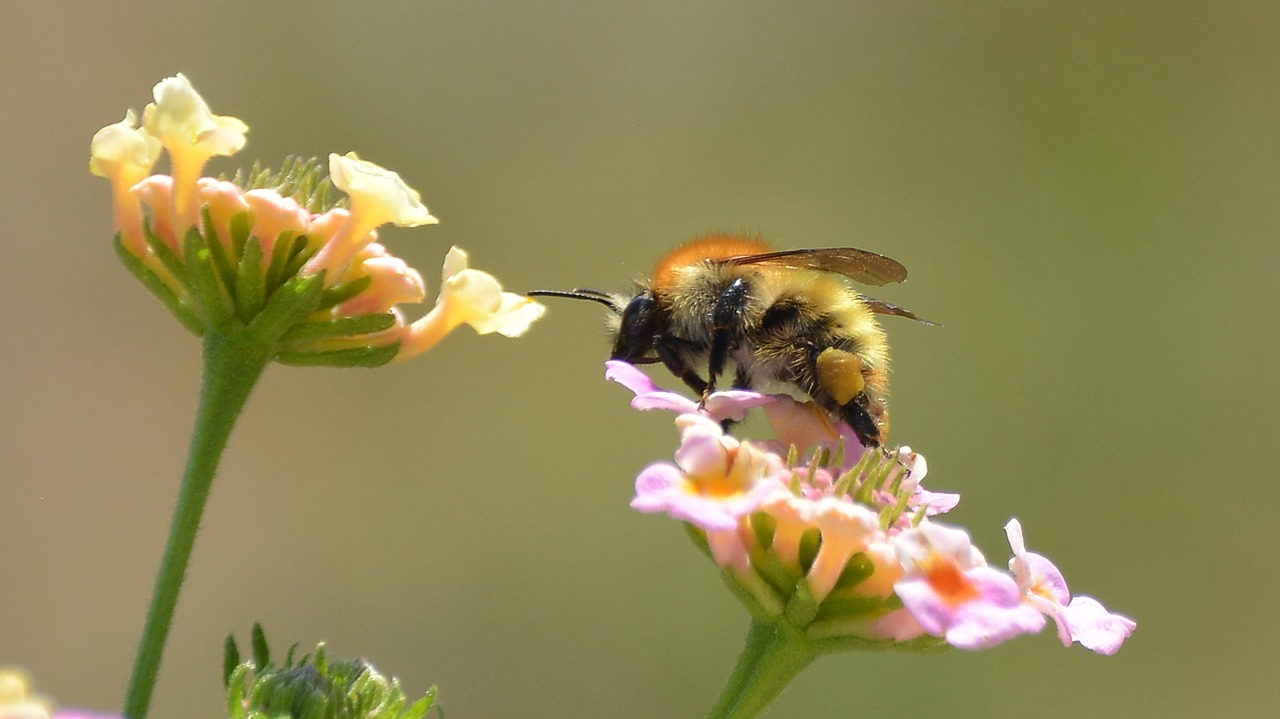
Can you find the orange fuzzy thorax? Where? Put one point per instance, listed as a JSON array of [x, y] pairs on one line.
[[699, 249]]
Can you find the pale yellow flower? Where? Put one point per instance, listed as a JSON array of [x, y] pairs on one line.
[[124, 154], [471, 297], [378, 197], [192, 134], [218, 252]]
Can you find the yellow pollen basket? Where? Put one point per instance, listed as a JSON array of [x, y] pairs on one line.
[[840, 374]]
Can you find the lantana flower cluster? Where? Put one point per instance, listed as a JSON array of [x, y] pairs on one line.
[[272, 245], [842, 541]]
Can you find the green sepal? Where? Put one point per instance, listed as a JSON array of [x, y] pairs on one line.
[[217, 253], [801, 607], [419, 709], [230, 659], [159, 289], [342, 292], [251, 294], [240, 226], [284, 247], [779, 577], [209, 291], [353, 357], [305, 332], [296, 299], [858, 568], [261, 651], [810, 543], [763, 527], [166, 255], [862, 608], [841, 642], [302, 252]]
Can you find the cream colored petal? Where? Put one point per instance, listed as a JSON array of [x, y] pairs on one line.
[[180, 116], [378, 195], [455, 261], [192, 134], [515, 314], [470, 297], [123, 148]]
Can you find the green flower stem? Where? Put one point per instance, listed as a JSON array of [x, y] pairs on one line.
[[233, 360], [774, 654]]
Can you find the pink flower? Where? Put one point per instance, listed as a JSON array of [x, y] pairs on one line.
[[1080, 619], [715, 482], [951, 591], [837, 539]]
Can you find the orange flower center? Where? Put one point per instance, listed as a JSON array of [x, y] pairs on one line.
[[718, 486], [950, 583]]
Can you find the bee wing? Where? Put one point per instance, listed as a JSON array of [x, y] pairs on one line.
[[881, 307], [861, 266]]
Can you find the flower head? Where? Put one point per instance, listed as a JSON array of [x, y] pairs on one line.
[[831, 537], [271, 253]]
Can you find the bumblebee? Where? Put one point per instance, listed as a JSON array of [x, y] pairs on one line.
[[781, 319]]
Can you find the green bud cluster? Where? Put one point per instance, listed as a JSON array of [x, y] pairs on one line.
[[313, 687]]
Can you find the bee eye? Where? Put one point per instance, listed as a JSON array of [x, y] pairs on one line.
[[637, 328]]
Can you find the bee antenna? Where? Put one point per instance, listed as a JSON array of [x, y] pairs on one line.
[[577, 294]]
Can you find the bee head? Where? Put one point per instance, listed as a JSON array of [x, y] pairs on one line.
[[638, 323]]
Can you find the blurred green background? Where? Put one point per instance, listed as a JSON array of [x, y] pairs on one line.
[[1086, 194]]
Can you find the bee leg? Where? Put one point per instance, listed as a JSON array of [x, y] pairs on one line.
[[839, 376], [863, 424], [726, 317], [678, 367]]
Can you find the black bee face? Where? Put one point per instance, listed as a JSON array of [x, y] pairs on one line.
[[641, 322]]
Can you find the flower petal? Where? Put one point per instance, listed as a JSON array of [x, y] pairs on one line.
[[1097, 629], [377, 193], [471, 297]]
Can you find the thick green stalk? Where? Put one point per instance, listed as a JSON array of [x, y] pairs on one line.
[[233, 361], [775, 653]]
